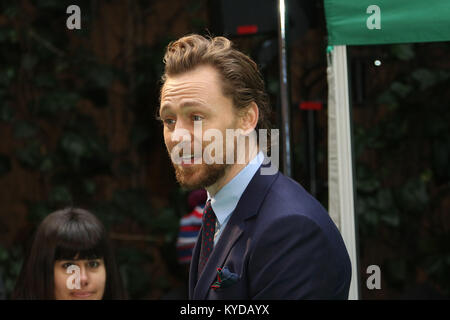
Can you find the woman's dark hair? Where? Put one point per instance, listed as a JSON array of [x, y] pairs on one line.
[[65, 235]]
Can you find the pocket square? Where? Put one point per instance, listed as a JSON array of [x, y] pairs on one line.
[[225, 278]]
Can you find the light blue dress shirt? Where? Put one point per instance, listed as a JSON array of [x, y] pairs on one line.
[[226, 200]]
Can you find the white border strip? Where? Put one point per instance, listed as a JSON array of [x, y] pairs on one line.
[[340, 164]]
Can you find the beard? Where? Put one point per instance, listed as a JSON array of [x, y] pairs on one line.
[[199, 176], [204, 174]]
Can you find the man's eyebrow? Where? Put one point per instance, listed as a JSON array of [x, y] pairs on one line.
[[192, 103], [184, 104]]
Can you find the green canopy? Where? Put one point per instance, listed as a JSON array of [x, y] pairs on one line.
[[360, 22]]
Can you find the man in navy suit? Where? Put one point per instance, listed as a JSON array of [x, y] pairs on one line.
[[263, 236]]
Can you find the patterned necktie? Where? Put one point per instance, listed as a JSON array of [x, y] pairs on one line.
[[208, 230]]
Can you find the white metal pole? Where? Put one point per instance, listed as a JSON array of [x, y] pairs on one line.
[[284, 90], [340, 161]]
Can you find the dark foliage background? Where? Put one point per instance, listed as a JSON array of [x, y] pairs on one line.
[[402, 151], [77, 112]]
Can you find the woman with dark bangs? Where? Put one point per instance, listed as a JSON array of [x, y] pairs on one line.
[[70, 259]]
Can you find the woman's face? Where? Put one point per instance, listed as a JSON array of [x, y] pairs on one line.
[[79, 279]]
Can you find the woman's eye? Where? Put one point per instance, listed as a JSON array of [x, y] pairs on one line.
[[94, 264], [197, 118], [169, 122], [67, 265]]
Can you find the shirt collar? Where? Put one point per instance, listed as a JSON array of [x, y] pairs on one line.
[[226, 200]]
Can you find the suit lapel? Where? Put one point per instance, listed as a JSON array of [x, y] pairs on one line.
[[193, 269], [246, 208], [223, 247]]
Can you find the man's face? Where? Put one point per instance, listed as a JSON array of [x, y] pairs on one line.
[[185, 99]]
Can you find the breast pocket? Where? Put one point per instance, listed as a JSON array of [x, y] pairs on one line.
[[236, 291]]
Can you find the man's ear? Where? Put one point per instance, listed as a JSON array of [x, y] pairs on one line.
[[249, 118]]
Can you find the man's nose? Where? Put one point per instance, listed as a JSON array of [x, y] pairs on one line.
[[182, 131], [182, 124]]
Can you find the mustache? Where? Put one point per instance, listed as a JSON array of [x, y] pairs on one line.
[[185, 150]]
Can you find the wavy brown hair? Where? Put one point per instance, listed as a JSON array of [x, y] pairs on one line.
[[241, 79]]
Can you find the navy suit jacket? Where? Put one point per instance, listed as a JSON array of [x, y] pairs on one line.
[[281, 243]]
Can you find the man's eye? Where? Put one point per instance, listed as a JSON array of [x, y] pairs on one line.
[[197, 118]]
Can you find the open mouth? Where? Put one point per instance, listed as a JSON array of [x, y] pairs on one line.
[[187, 160]]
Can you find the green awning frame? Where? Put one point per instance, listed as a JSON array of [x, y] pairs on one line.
[[363, 22]]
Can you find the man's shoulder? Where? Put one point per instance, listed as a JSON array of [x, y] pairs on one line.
[[286, 200], [278, 196], [286, 193]]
